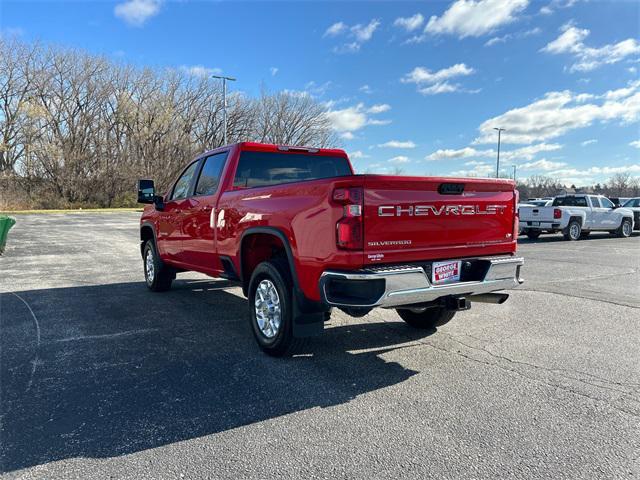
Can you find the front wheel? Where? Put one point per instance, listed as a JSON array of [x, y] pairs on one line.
[[427, 318], [573, 231], [271, 308], [157, 274], [625, 228]]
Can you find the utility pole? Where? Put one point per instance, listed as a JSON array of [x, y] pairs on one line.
[[224, 105], [514, 171], [500, 130]]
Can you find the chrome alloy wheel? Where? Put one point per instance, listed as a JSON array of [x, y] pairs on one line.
[[149, 266], [626, 229], [574, 231], [268, 310]]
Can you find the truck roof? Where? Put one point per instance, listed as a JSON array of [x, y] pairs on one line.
[[270, 147]]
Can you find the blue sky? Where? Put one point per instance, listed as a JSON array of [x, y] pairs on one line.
[[414, 85]]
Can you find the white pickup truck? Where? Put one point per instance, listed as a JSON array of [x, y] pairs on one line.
[[576, 216]]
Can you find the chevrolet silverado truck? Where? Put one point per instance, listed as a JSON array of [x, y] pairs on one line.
[[576, 216], [302, 234]]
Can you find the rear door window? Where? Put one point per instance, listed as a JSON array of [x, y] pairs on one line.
[[606, 203], [595, 203], [258, 169], [210, 174]]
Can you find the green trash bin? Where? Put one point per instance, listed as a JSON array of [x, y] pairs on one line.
[[5, 225]]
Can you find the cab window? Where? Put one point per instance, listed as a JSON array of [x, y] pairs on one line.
[[181, 188], [570, 202], [210, 174]]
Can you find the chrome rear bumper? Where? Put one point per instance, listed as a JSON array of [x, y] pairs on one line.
[[408, 285]]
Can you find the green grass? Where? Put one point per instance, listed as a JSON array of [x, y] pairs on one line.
[[78, 210]]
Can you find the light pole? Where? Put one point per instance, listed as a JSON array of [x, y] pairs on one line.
[[500, 130], [514, 171], [224, 105]]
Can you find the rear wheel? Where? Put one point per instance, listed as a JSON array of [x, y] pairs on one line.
[[271, 308], [573, 231], [625, 228], [426, 317], [157, 274], [533, 234]]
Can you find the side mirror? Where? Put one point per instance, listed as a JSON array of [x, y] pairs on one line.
[[146, 191]]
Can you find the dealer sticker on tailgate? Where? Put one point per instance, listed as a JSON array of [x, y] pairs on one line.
[[445, 272]]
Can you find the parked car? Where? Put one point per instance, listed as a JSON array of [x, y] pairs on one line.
[[576, 216], [301, 233], [633, 204]]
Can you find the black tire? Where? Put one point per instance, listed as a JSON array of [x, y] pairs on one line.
[[428, 318], [533, 234], [283, 342], [160, 279], [625, 229], [573, 231]]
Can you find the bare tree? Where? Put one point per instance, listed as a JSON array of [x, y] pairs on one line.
[[78, 129]]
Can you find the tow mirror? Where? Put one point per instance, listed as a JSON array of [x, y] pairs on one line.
[[146, 191]]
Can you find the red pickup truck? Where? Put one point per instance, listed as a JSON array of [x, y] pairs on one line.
[[302, 233]]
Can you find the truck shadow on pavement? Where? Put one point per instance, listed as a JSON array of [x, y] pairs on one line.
[[119, 369]]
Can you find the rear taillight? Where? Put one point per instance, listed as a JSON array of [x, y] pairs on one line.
[[349, 227], [557, 213]]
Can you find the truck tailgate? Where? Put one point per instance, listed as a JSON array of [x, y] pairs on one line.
[[536, 214], [409, 219]]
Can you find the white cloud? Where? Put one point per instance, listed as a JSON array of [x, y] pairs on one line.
[[358, 154], [359, 34], [380, 108], [542, 165], [571, 42], [560, 112], [523, 153], [478, 170], [137, 12], [422, 75], [399, 159], [352, 118], [348, 119], [347, 136], [589, 142], [473, 18], [336, 29], [200, 71], [635, 143], [556, 4], [363, 33], [410, 23], [512, 36], [449, 154], [366, 89], [594, 171], [273, 71], [433, 83], [397, 144]]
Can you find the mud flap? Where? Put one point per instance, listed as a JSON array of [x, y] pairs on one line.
[[307, 324]]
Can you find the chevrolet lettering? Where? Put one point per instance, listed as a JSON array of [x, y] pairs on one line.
[[425, 210]]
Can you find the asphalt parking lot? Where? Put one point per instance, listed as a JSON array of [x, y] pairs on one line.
[[101, 378]]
